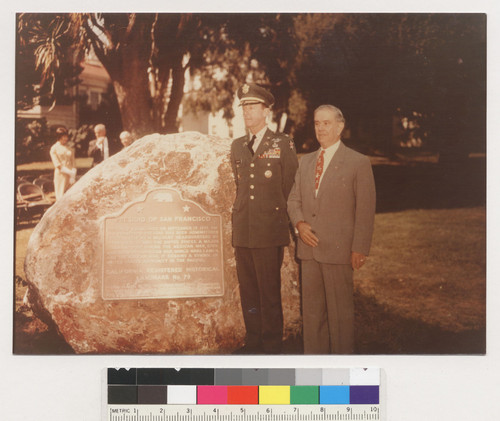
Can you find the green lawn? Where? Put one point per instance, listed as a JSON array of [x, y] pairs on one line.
[[430, 265]]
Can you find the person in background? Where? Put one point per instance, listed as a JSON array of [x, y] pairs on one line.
[[63, 158], [332, 207], [126, 138], [264, 165], [99, 148]]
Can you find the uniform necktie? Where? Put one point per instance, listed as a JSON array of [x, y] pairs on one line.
[[319, 169], [250, 144]]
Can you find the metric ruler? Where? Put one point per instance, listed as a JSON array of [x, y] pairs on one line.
[[244, 413], [233, 394]]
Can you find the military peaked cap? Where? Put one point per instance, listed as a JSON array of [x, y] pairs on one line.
[[252, 93]]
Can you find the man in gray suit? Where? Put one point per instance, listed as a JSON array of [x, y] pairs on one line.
[[332, 207]]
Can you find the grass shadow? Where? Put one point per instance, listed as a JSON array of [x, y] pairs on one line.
[[381, 331]]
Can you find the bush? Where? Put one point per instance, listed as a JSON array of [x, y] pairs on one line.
[[80, 139], [32, 140]]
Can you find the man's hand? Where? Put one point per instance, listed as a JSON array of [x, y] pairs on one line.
[[357, 260], [307, 234]]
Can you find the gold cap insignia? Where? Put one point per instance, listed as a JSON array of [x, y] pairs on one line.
[[245, 88]]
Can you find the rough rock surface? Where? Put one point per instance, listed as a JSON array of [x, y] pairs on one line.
[[64, 256]]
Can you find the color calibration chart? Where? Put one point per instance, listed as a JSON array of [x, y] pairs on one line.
[[229, 394]]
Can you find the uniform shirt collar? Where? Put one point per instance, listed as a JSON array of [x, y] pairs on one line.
[[258, 137]]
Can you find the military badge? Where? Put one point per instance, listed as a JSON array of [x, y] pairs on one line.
[[245, 88], [268, 174], [271, 153]]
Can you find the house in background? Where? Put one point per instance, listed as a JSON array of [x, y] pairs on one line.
[[94, 84]]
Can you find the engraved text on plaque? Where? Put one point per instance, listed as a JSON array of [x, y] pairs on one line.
[[162, 247]]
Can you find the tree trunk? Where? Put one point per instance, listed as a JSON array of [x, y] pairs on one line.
[[128, 63], [175, 98], [134, 101]]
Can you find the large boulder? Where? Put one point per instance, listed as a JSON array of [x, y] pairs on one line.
[[74, 285]]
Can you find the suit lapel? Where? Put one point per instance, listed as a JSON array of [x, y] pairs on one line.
[[311, 172]]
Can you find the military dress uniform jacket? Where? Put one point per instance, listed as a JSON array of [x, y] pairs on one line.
[[263, 182], [342, 213]]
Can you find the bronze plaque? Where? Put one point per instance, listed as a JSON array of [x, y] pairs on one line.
[[162, 247]]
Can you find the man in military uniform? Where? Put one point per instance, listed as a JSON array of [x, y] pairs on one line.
[[264, 165]]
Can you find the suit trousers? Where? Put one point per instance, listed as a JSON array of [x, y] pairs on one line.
[[327, 308], [259, 277]]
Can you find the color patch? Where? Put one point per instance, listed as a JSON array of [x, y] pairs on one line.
[[254, 377], [122, 395], [364, 395], [194, 376], [281, 376], [308, 377], [167, 376], [274, 395], [243, 395], [364, 377], [122, 376], [152, 395], [152, 376], [334, 395], [307, 395], [212, 395], [336, 377], [229, 376], [181, 395]]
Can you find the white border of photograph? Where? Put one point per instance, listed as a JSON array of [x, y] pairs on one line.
[[418, 387]]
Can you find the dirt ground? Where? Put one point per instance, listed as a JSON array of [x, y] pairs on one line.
[[437, 307]]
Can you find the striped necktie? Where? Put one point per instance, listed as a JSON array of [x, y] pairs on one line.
[[319, 169]]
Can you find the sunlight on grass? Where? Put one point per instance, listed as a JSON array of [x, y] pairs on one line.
[[47, 165], [430, 265]]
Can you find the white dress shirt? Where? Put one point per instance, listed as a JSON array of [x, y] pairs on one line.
[[329, 152]]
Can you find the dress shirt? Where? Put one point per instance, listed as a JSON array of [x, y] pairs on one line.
[[258, 138], [329, 152]]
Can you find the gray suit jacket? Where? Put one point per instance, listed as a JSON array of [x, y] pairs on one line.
[[343, 212]]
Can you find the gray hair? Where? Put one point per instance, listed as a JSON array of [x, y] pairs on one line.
[[336, 111], [125, 133], [100, 127]]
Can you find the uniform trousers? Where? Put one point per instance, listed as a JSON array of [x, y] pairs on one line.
[[259, 277], [327, 308]]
